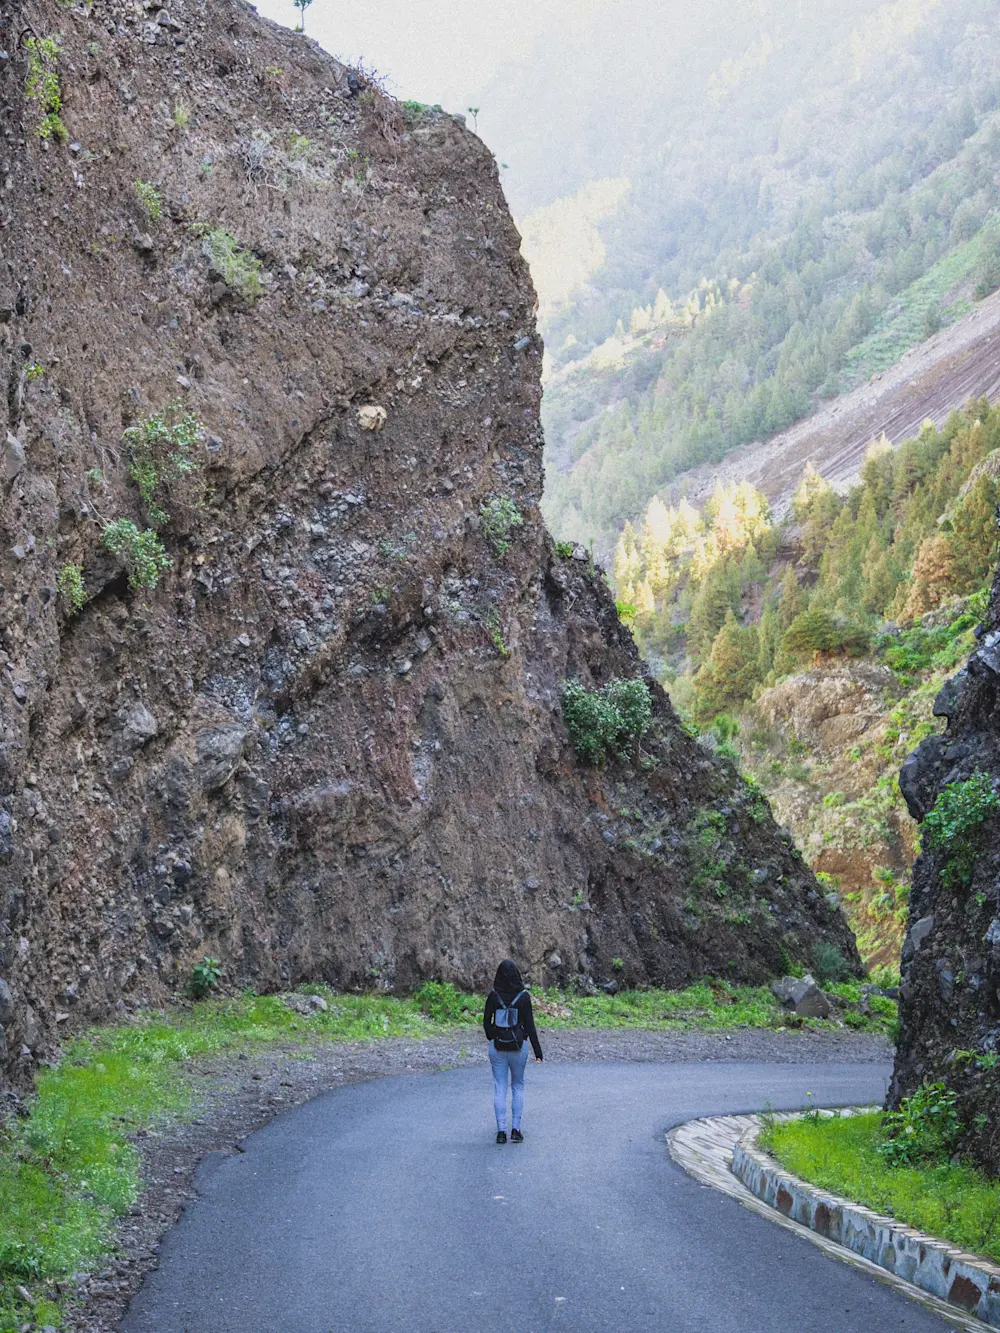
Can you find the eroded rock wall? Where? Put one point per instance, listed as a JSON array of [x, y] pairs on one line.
[[950, 989], [329, 743]]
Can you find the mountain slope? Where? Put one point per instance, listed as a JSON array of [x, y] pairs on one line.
[[927, 384], [812, 197]]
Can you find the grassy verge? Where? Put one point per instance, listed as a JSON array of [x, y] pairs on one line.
[[69, 1169], [951, 1202]]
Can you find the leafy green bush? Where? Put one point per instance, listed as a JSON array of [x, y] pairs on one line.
[[499, 517], [141, 552], [938, 647], [238, 268], [607, 720], [958, 812], [829, 964], [440, 1001], [205, 976], [69, 581], [924, 1130], [161, 452], [564, 550]]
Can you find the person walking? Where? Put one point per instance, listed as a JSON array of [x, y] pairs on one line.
[[508, 1020]]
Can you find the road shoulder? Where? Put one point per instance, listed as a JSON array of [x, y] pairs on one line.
[[706, 1148]]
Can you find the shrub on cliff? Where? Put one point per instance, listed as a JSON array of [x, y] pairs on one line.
[[162, 452], [958, 812], [500, 517], [141, 552], [608, 720]]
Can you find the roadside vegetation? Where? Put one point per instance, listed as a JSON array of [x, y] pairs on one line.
[[865, 1159], [70, 1168]]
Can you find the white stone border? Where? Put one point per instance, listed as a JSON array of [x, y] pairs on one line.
[[946, 1272], [705, 1148]]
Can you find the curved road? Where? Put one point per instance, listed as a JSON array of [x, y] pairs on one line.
[[386, 1207]]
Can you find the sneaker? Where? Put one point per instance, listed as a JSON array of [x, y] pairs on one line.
[[502, 1137], [516, 1136]]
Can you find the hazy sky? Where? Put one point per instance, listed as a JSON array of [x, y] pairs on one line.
[[433, 50]]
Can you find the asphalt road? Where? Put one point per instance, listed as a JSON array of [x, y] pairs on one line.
[[386, 1207]]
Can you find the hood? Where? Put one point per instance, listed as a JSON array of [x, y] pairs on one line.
[[507, 981]]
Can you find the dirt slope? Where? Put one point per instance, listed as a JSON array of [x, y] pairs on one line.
[[941, 374], [330, 742]]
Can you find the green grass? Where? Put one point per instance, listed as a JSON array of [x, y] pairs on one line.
[[904, 324], [954, 1203], [69, 1169]]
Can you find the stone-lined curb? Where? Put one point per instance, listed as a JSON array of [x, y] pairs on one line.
[[705, 1149], [963, 1280]]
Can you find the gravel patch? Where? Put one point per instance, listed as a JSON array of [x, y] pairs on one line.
[[237, 1094]]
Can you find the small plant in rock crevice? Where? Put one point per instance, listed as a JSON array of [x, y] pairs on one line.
[[43, 87], [494, 630], [69, 582], [149, 200], [500, 518], [608, 720], [238, 268], [950, 827], [140, 551]]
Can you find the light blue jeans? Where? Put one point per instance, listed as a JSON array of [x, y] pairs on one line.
[[508, 1064]]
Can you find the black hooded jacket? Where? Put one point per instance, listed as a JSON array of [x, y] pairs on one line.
[[507, 985]]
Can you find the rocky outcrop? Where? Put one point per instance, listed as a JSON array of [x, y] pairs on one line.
[[329, 743], [950, 988], [825, 743]]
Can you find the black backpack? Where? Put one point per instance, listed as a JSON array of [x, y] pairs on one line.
[[508, 1032]]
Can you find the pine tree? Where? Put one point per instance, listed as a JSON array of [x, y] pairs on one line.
[[933, 576], [734, 660], [791, 600], [974, 535], [718, 594]]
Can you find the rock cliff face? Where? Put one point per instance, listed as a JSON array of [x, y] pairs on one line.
[[950, 990], [329, 743], [837, 729]]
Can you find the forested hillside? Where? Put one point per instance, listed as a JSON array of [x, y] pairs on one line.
[[812, 649], [776, 215]]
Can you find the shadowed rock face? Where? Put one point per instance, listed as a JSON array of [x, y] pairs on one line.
[[950, 991], [330, 743]]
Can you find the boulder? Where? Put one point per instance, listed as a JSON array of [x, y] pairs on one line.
[[307, 1005], [802, 996], [139, 724], [918, 778], [219, 750]]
